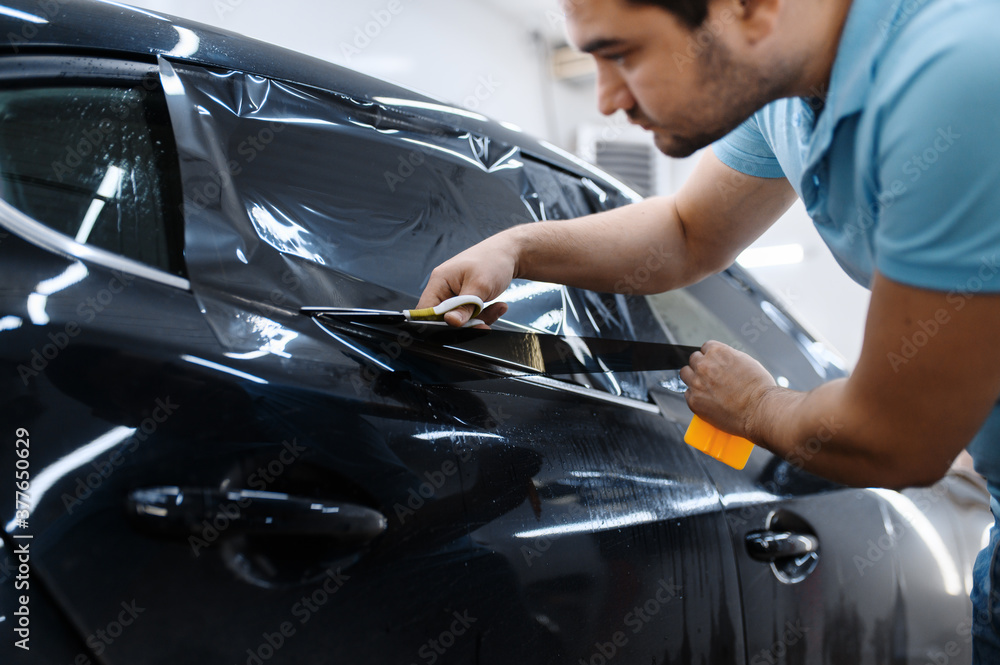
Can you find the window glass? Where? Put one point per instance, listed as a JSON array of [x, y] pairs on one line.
[[94, 163], [723, 309], [685, 320]]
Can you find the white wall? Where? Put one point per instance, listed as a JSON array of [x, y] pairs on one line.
[[463, 52], [486, 55]]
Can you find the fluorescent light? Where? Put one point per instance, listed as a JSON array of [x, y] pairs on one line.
[[222, 368], [923, 528], [590, 525], [109, 186], [10, 322], [48, 476], [24, 16], [187, 43], [427, 106], [776, 255], [39, 299]]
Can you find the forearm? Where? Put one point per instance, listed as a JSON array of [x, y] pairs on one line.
[[639, 248], [809, 430], [826, 432]]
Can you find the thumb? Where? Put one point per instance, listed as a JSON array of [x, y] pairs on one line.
[[458, 316]]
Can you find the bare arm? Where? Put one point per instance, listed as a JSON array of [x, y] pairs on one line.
[[678, 239], [928, 376]]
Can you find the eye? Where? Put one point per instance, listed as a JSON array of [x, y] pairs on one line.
[[622, 57]]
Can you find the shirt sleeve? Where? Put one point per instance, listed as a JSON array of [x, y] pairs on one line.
[[746, 150], [938, 167]]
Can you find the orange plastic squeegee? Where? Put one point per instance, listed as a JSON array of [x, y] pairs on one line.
[[727, 448]]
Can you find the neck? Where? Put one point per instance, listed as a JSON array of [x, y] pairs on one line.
[[824, 29]]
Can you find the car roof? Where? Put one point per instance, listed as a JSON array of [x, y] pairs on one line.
[[106, 27]]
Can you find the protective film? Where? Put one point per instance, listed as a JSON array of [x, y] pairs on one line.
[[295, 196]]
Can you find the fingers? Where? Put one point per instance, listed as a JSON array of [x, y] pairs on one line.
[[493, 312], [458, 316], [436, 292]]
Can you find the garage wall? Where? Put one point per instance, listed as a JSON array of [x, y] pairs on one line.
[[464, 52], [489, 56]]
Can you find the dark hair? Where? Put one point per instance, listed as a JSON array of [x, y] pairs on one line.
[[691, 12]]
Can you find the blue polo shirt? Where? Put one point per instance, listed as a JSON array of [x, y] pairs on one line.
[[901, 170], [899, 166]]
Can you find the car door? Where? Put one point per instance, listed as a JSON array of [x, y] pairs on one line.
[[94, 299], [828, 573]]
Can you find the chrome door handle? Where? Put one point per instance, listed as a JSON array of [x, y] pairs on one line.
[[182, 511], [773, 545]]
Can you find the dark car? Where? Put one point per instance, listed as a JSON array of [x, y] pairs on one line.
[[193, 470]]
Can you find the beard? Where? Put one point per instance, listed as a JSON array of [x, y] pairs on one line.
[[739, 91]]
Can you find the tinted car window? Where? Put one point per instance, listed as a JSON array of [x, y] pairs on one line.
[[686, 320], [94, 163], [360, 200], [736, 313]]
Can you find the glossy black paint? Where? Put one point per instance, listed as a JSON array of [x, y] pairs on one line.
[[525, 519]]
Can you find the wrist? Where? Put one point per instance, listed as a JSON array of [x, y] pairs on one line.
[[517, 245], [762, 412]]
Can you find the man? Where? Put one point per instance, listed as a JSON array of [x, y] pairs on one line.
[[885, 119]]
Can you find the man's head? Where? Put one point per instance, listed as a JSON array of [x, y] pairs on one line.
[[690, 71]]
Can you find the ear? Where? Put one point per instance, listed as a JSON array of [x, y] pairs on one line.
[[756, 19]]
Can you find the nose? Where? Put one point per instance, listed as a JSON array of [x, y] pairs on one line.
[[612, 91]]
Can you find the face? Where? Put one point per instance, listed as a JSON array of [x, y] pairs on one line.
[[683, 85]]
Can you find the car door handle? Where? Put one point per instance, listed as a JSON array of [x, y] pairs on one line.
[[183, 511], [773, 545]]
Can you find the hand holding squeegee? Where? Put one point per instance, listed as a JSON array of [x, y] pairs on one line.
[[552, 354]]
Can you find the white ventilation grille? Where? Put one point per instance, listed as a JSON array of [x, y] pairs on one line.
[[632, 163]]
